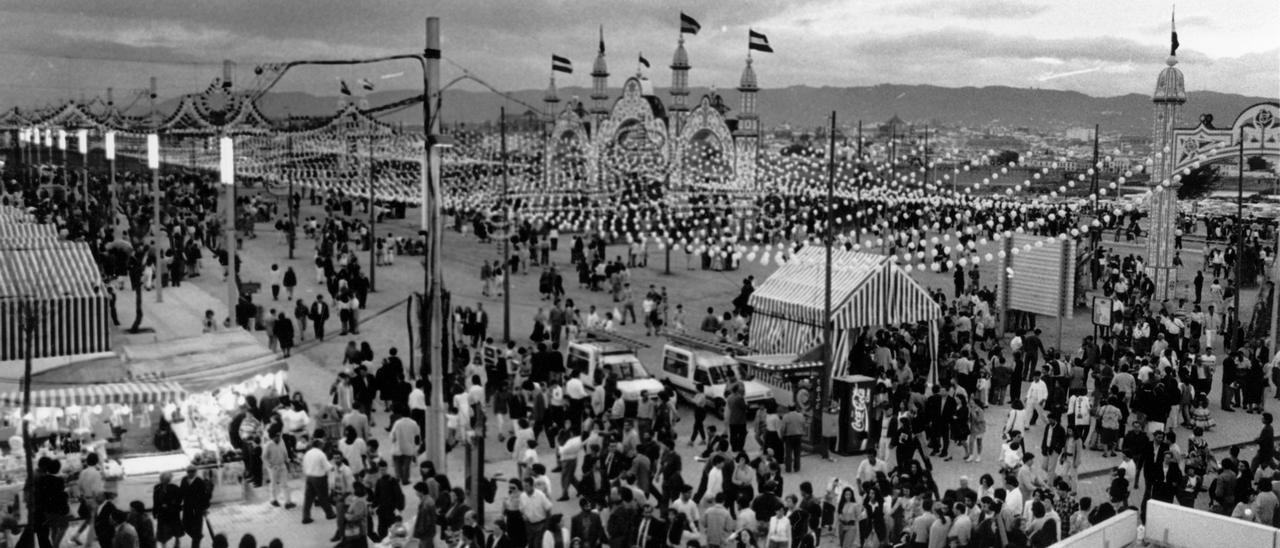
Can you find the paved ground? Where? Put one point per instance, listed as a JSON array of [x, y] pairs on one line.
[[384, 326]]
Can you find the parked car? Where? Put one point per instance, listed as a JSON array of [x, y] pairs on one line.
[[591, 356], [688, 368]]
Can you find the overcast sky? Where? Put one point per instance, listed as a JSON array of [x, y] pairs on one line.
[[52, 49]]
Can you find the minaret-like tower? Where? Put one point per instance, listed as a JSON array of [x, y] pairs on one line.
[[552, 99], [679, 87], [746, 139], [600, 85], [1170, 95], [748, 120]]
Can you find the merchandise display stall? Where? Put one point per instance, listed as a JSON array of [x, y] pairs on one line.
[[868, 292], [124, 423]]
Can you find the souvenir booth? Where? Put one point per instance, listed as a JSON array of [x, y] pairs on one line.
[[868, 292], [125, 423]]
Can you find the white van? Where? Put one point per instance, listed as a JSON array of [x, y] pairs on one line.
[[686, 368], [633, 378]]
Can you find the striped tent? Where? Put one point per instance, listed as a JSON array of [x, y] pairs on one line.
[[867, 290], [61, 280], [124, 393]]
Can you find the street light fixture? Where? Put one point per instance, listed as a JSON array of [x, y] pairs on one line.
[[227, 176], [109, 148]]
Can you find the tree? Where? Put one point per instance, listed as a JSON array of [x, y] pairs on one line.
[[1199, 182], [1005, 158], [1258, 163]]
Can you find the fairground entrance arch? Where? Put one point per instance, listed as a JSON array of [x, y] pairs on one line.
[[1258, 127]]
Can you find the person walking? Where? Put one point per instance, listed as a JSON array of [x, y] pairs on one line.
[[388, 499], [736, 417], [319, 314], [290, 281], [276, 458], [405, 440], [283, 329], [315, 466], [792, 435], [277, 281], [166, 506], [196, 494], [301, 313]]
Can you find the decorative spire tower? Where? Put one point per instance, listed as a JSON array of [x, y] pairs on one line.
[[552, 99], [746, 139], [1170, 95], [679, 86], [748, 120], [600, 84]]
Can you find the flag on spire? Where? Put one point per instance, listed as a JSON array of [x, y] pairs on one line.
[[602, 39], [1173, 40], [644, 61], [689, 25], [561, 64], [757, 41], [366, 84], [345, 90]]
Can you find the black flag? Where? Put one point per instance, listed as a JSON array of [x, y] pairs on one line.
[[689, 25]]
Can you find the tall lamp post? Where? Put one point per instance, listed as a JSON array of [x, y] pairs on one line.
[[109, 148], [82, 145], [227, 176], [62, 146]]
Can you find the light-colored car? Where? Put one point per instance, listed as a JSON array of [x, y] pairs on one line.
[[590, 356], [688, 368]]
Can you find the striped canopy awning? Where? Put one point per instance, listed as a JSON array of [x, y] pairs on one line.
[[42, 268], [866, 290], [124, 393]]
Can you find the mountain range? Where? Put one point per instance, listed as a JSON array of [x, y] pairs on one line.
[[995, 107]]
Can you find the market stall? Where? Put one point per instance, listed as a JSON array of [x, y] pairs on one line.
[[62, 280], [127, 424], [868, 292]]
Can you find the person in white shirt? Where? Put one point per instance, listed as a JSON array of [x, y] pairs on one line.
[[1037, 393], [685, 505], [779, 535], [869, 468], [315, 466], [569, 451], [715, 478], [536, 508], [1013, 496], [576, 393]]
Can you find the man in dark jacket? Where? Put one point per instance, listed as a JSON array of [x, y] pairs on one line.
[[736, 418], [936, 431], [166, 506], [388, 499], [105, 518], [652, 530], [586, 525], [319, 314], [195, 502]]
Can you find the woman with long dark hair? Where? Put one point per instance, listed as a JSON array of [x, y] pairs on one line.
[[849, 513], [872, 516]]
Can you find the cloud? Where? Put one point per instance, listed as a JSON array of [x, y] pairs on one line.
[[969, 43], [972, 9]]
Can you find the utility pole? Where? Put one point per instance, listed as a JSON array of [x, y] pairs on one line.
[[233, 276], [1235, 331], [506, 238], [292, 235], [1094, 235], [436, 355], [820, 402], [373, 234], [155, 201]]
